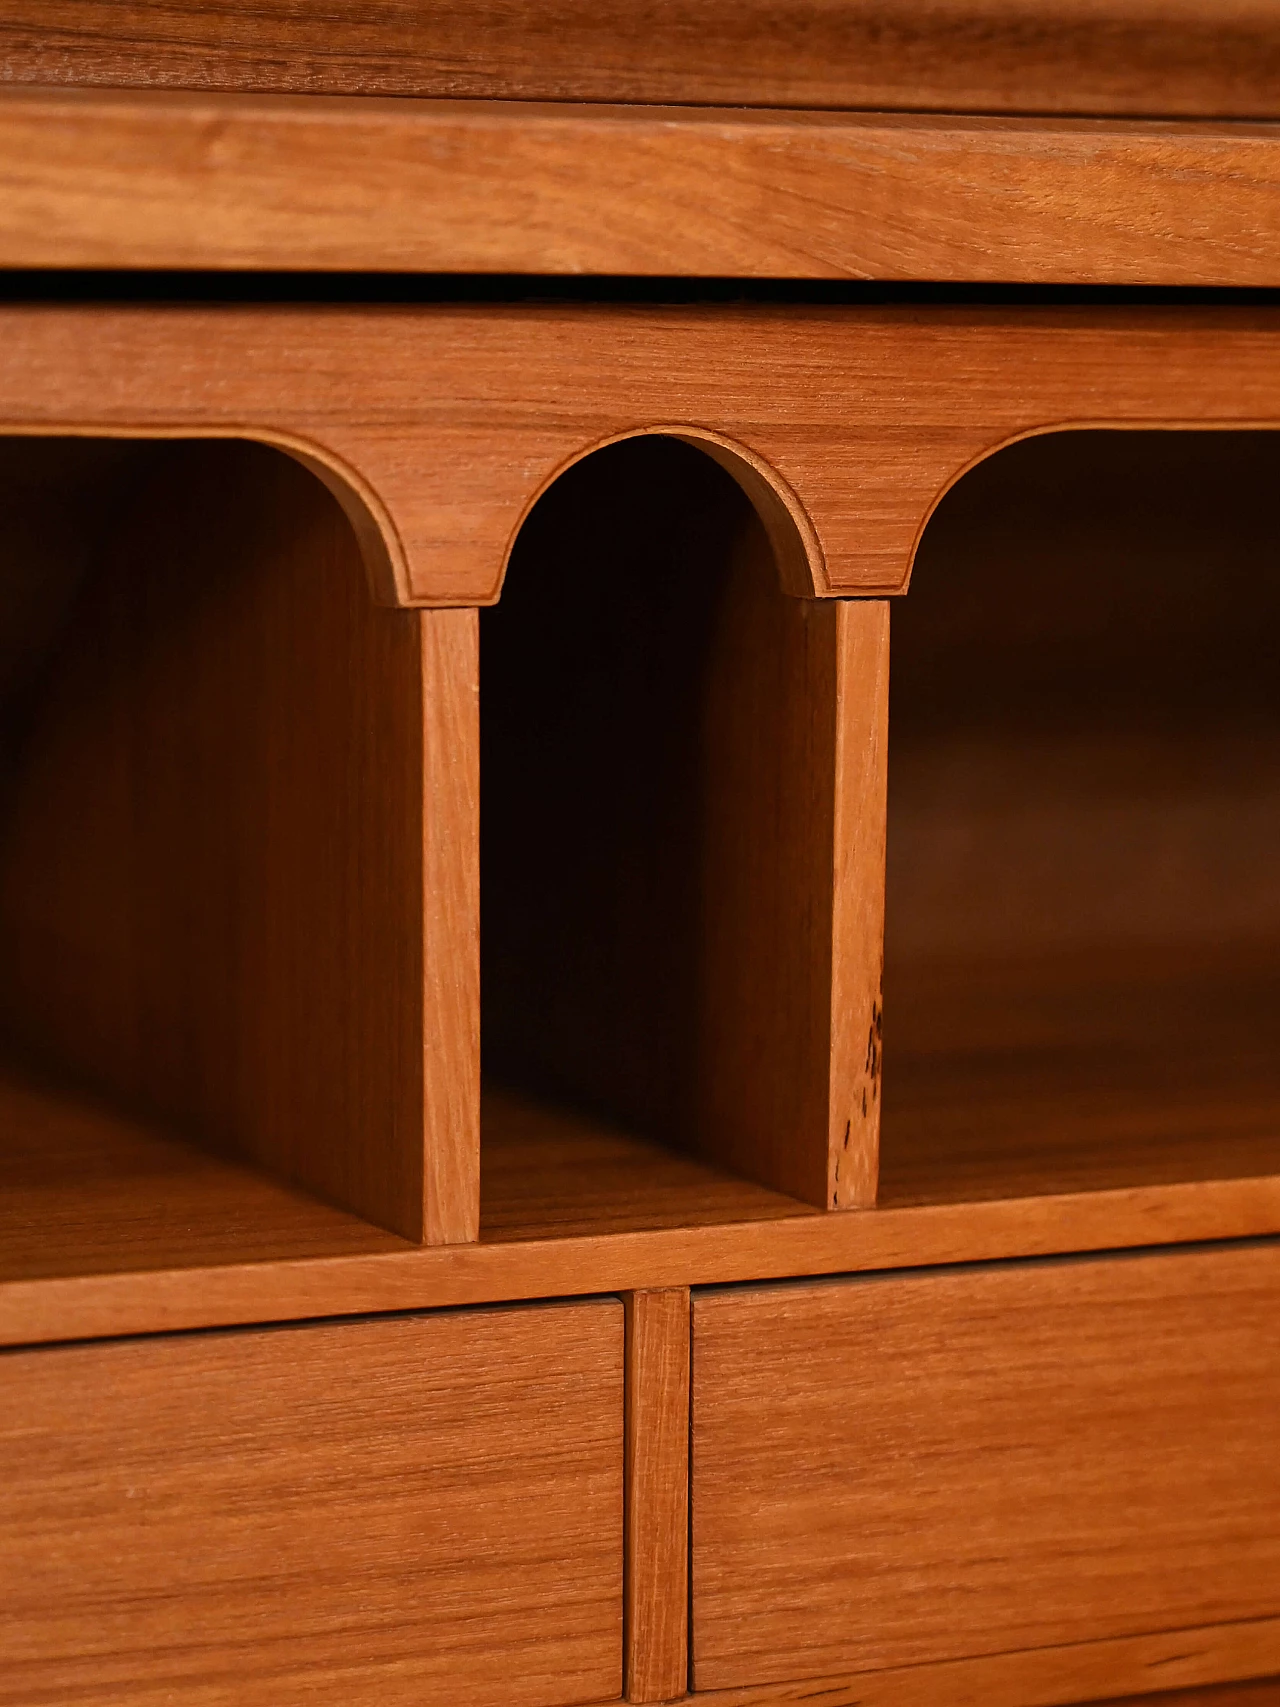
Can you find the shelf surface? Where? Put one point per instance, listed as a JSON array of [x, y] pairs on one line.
[[85, 1191], [1073, 1073], [547, 1174], [1140, 1108]]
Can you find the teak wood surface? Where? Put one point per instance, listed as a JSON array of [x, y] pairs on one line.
[[440, 426], [682, 846], [1083, 900], [403, 1511], [1083, 1673], [906, 1470], [1155, 57], [207, 908], [113, 179], [657, 1522]]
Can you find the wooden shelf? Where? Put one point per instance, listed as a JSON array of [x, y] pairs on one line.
[[84, 1191], [1081, 1073], [1102, 57], [547, 1174], [114, 178]]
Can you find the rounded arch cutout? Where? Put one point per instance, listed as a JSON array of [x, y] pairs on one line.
[[1062, 429], [377, 536], [794, 541], [1091, 572]]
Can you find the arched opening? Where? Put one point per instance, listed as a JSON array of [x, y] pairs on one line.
[[654, 915], [210, 869], [1083, 906]]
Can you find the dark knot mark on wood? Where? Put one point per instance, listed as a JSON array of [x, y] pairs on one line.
[[875, 1044]]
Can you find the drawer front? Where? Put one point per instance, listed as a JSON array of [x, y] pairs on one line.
[[895, 1470], [417, 1509]]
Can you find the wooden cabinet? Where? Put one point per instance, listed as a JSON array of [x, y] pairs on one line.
[[909, 1469], [412, 1510], [401, 676]]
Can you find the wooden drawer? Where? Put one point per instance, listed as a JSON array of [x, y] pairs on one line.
[[899, 1470], [414, 1509]]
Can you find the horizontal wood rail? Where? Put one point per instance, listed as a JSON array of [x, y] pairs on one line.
[[405, 1277], [1054, 1677], [93, 178], [1157, 57], [440, 425]]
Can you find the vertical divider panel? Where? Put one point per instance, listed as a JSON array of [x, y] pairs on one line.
[[796, 720], [451, 925], [657, 1494], [858, 882]]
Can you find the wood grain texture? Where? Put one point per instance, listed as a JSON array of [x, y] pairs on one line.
[[683, 828], [1064, 1073], [1056, 1677], [214, 903], [1074, 769], [570, 1264], [1084, 903], [1262, 1692], [797, 735], [657, 1575], [1159, 57], [449, 421], [393, 1512], [144, 1233], [548, 1174], [450, 901], [908, 1470], [112, 179], [85, 1190]]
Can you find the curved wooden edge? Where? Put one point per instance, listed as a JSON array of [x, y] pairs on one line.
[[797, 550], [1173, 425], [112, 178], [380, 544], [439, 426]]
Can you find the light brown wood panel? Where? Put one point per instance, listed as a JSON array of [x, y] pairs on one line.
[[450, 901], [446, 421], [214, 899], [1159, 57], [683, 828], [657, 1624], [114, 179], [906, 1470], [414, 1510], [797, 735], [1054, 1677]]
